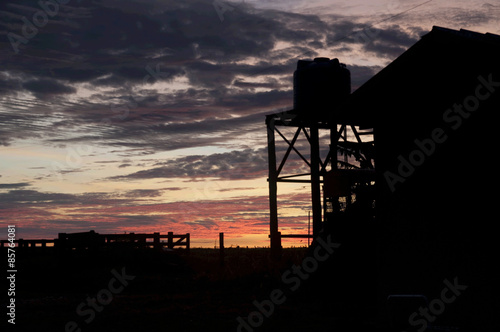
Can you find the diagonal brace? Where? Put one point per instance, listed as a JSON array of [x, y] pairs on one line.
[[291, 146]]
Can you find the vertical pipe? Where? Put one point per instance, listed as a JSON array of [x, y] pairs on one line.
[[346, 160], [315, 181], [273, 189], [334, 201], [333, 145], [308, 228]]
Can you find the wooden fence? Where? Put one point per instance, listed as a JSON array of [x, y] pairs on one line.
[[149, 240], [92, 240]]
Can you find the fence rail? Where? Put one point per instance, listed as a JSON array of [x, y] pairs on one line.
[[38, 243]]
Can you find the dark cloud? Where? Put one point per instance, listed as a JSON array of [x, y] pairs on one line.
[[390, 41], [23, 197], [360, 74], [272, 83], [32, 197], [118, 49], [9, 84], [184, 131], [47, 87], [14, 185], [124, 165], [142, 193], [173, 188], [246, 164], [387, 41], [208, 224], [127, 221], [234, 189]]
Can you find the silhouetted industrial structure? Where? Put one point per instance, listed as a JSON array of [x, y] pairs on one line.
[[321, 86], [431, 235]]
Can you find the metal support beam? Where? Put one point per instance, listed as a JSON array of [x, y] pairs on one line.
[[309, 139], [315, 181], [290, 147], [322, 220], [290, 144], [273, 189]]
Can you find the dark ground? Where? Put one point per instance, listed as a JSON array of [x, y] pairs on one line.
[[174, 291]]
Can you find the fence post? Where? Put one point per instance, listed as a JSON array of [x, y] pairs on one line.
[[170, 243], [276, 250], [188, 241], [221, 248], [156, 240]]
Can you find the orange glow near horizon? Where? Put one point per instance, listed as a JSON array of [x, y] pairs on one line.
[[243, 220]]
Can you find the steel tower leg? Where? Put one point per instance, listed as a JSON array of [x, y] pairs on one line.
[[273, 190], [315, 182]]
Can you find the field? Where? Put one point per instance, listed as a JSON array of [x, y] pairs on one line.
[[177, 291]]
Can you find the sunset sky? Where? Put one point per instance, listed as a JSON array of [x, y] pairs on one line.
[[148, 115]]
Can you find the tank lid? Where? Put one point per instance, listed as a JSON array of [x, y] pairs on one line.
[[303, 63], [321, 59]]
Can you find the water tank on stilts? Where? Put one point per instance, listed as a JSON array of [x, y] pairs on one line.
[[319, 86]]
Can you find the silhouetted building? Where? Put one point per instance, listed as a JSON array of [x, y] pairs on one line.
[[433, 111]]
